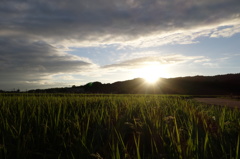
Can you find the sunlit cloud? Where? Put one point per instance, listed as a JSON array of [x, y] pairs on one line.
[[226, 32], [201, 60], [162, 60]]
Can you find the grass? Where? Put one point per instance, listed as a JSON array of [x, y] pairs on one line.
[[115, 127]]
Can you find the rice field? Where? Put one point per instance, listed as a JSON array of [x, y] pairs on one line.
[[116, 127]]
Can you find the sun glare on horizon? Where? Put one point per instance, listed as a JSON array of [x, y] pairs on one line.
[[151, 72]]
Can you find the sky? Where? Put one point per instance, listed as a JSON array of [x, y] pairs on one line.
[[45, 44]]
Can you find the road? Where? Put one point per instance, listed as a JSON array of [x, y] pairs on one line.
[[219, 101]]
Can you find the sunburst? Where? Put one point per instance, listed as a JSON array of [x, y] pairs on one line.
[[151, 72]]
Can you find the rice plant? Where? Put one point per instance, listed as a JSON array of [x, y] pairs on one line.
[[115, 127]]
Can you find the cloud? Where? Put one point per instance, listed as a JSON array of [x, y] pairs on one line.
[[227, 31], [161, 60], [97, 22], [215, 62], [211, 65], [35, 34], [188, 36], [32, 61], [202, 60]]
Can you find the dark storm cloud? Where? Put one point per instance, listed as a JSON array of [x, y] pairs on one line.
[[126, 19], [24, 60]]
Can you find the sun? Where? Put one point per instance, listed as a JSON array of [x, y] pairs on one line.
[[152, 78], [151, 72]]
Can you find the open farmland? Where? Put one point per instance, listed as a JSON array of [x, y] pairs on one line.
[[116, 127]]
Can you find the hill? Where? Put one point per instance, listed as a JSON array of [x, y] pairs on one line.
[[228, 84]]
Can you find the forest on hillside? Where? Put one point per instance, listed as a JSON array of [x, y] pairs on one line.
[[228, 84]]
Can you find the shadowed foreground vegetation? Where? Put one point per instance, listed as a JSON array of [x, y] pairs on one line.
[[116, 127]]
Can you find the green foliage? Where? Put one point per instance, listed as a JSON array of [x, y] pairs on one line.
[[115, 126]]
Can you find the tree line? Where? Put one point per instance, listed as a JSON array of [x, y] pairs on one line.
[[228, 84]]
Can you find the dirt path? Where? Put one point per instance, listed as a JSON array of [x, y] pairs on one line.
[[220, 101]]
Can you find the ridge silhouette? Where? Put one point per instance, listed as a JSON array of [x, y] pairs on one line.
[[228, 84]]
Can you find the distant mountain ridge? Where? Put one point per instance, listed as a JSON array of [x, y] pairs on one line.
[[228, 84]]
